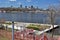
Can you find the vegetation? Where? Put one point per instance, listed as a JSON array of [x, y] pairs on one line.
[[9, 23], [37, 27], [2, 26], [3, 38], [10, 29]]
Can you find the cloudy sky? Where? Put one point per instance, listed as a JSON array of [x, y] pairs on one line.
[[39, 3]]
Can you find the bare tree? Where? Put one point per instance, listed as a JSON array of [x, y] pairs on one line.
[[51, 15]]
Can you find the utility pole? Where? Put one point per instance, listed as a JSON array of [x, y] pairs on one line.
[[12, 30]]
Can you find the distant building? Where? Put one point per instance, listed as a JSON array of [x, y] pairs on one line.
[[11, 6], [25, 6], [20, 6], [37, 7], [32, 6], [0, 10]]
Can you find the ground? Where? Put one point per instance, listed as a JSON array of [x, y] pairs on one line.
[[3, 38], [5, 35]]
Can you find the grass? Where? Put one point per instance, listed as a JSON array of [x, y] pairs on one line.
[[10, 29], [37, 27], [3, 38], [5, 35]]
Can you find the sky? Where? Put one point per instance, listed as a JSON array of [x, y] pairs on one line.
[[35, 3]]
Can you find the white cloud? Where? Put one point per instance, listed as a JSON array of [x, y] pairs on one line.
[[28, 0], [12, 0]]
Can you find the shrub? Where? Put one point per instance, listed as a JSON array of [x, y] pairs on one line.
[[35, 28], [2, 26]]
